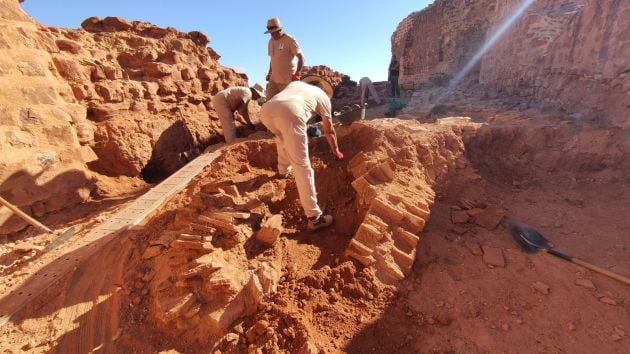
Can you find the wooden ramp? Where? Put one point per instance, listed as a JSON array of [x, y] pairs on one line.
[[137, 213]]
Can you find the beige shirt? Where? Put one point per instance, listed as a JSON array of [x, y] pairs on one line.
[[282, 51], [303, 100], [234, 95]]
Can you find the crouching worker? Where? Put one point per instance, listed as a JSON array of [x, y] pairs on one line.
[[231, 100], [285, 115]]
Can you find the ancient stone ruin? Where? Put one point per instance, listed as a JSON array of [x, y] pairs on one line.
[[181, 243]]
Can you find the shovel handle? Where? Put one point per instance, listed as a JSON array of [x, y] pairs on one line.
[[25, 216], [599, 270], [587, 265]]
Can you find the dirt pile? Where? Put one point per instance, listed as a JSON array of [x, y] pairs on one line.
[[546, 57]]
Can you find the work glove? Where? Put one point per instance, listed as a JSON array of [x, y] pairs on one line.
[[339, 155], [296, 77]]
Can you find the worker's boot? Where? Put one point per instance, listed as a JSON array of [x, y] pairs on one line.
[[319, 222]]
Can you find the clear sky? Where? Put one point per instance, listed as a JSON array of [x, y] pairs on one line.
[[350, 36]]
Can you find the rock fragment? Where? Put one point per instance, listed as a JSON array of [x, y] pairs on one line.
[[541, 288], [270, 230], [493, 256], [585, 283]]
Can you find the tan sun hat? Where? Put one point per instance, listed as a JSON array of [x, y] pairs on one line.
[[273, 25], [259, 90], [319, 82]]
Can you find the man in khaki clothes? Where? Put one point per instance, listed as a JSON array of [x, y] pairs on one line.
[[285, 115], [231, 100], [282, 49]]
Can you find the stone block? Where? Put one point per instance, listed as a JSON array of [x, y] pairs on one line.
[[68, 46], [403, 259], [85, 133], [20, 139], [376, 222], [113, 72], [187, 74], [225, 227], [151, 252], [459, 216], [490, 217], [202, 270], [269, 277], [40, 95], [385, 210], [406, 237], [207, 74], [387, 269], [199, 38], [493, 256], [97, 73], [110, 93], [157, 70], [270, 230], [175, 306], [32, 68], [87, 154], [368, 235], [420, 212], [366, 260], [413, 223], [7, 117], [114, 24], [192, 245], [30, 116]]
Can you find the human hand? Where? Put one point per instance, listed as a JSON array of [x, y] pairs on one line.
[[338, 155], [296, 77]]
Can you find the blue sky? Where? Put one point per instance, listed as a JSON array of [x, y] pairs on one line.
[[351, 36]]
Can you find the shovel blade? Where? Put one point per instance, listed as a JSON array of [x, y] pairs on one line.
[[60, 239], [530, 240]]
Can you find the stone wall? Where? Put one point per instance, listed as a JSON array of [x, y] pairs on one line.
[[42, 167], [115, 98]]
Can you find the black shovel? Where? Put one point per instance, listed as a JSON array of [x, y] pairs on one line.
[[532, 241]]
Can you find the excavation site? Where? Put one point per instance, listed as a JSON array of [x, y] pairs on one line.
[[485, 210]]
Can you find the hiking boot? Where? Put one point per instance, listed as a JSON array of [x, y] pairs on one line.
[[319, 222], [284, 175]]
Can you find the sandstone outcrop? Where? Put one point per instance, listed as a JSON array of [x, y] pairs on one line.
[[564, 54], [43, 165], [116, 98]]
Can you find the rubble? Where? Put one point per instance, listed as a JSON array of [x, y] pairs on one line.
[[270, 230]]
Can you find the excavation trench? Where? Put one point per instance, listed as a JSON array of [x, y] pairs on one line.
[[196, 274], [195, 277]]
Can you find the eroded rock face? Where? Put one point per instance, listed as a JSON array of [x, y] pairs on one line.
[[119, 98], [147, 90], [42, 168], [567, 54]]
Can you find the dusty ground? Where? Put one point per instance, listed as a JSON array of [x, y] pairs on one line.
[[570, 183]]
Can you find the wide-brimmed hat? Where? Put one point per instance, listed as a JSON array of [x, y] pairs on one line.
[[259, 90], [319, 82], [273, 25]]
